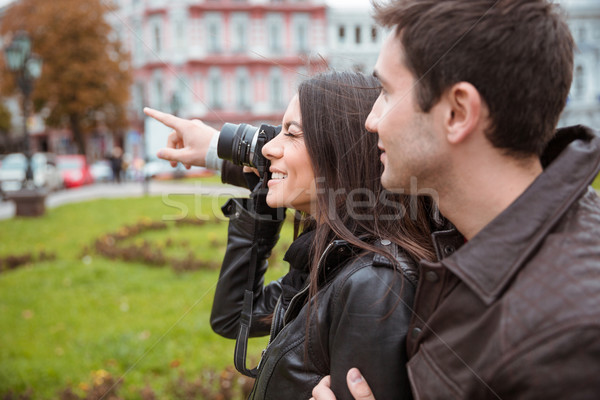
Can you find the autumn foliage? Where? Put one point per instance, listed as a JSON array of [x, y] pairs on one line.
[[85, 77]]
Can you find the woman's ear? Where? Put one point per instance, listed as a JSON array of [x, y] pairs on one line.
[[463, 111]]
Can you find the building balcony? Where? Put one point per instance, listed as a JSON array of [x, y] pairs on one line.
[[281, 6]]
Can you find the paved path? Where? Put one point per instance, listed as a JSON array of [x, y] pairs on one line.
[[129, 189]]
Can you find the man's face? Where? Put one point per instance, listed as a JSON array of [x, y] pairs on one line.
[[410, 146]]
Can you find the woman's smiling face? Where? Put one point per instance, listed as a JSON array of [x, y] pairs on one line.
[[292, 182]]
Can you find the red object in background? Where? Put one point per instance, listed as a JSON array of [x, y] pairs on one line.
[[75, 170]]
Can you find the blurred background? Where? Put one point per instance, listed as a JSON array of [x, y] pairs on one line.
[[217, 60]]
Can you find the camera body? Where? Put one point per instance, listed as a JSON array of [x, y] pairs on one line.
[[242, 144]]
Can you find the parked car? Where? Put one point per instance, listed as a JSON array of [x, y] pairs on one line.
[[75, 170], [101, 171], [45, 172]]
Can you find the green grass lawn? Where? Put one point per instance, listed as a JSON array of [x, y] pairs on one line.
[[61, 320], [596, 183]]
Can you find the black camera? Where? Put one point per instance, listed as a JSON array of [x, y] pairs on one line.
[[242, 144]]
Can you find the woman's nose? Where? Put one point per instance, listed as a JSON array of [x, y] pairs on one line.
[[273, 149]]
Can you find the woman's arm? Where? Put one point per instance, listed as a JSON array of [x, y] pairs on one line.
[[229, 295], [370, 317]]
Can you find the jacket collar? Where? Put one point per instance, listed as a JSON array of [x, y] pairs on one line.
[[489, 261]]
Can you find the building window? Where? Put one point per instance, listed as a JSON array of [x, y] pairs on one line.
[[275, 32], [138, 47], [582, 33], [302, 39], [196, 30], [239, 32], [156, 35], [180, 94], [276, 89], [213, 38], [374, 34], [179, 34], [158, 94], [213, 32], [215, 94], [275, 38], [578, 83], [357, 35], [341, 33], [242, 89], [300, 24]]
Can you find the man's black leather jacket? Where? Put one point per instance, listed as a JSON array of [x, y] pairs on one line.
[[358, 319]]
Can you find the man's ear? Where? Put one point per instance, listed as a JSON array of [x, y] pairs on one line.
[[463, 111]]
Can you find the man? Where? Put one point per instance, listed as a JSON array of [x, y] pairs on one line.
[[471, 94]]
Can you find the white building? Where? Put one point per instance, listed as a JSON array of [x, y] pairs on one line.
[[354, 38], [583, 106], [221, 61]]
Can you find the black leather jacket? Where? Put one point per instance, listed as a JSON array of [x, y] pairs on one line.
[[351, 321]]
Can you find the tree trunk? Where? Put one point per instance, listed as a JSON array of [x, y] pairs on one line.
[[77, 133]]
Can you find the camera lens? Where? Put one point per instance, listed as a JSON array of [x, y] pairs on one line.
[[237, 143]]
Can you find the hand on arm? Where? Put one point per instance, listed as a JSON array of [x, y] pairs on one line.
[[356, 383], [189, 141]]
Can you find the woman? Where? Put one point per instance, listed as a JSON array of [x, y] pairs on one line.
[[346, 301]]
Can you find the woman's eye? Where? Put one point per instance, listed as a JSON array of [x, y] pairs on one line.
[[292, 134]]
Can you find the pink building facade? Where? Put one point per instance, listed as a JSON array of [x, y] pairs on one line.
[[221, 61]]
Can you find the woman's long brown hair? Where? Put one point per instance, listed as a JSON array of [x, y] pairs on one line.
[[351, 203]]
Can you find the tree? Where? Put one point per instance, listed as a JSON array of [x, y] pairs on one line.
[[85, 77], [5, 119]]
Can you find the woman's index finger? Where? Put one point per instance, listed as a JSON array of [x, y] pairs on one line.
[[168, 119]]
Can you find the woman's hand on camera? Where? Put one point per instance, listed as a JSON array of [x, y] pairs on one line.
[[252, 170], [189, 141]]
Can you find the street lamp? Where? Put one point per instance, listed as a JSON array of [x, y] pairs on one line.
[[178, 173], [27, 67]]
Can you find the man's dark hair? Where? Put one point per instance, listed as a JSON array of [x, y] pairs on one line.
[[517, 53]]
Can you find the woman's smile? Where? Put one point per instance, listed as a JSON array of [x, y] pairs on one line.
[[292, 182]]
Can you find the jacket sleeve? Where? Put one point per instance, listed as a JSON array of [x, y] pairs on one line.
[[233, 174], [370, 318], [229, 294]]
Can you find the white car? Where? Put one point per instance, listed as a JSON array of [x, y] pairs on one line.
[[101, 171], [45, 173]]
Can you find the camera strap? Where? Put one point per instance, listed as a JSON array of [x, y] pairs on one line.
[[241, 342]]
